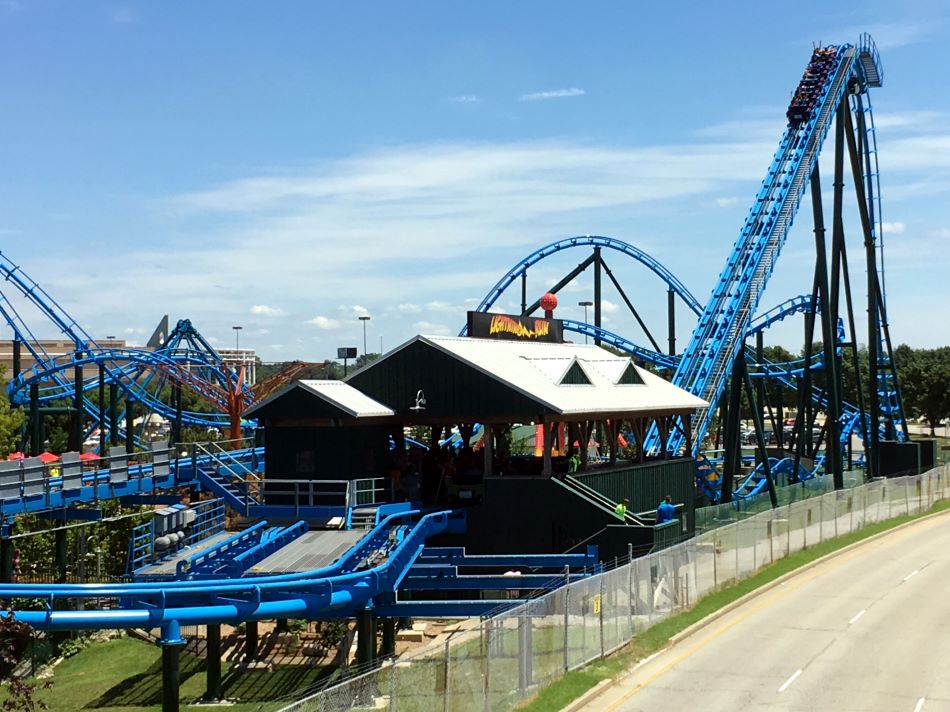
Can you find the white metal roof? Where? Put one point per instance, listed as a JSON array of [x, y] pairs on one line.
[[337, 393], [347, 398], [536, 370]]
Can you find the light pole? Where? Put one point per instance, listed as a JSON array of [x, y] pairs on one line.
[[237, 337], [585, 304], [365, 318]]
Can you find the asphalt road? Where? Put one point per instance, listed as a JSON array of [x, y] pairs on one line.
[[868, 631]]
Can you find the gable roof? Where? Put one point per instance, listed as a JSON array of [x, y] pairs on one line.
[[327, 399], [536, 371]]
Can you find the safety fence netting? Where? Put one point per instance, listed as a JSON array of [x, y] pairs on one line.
[[498, 662]]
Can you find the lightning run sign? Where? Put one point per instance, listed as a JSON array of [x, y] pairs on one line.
[[514, 328]]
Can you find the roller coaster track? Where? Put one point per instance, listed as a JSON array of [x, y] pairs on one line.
[[139, 374], [717, 340], [588, 241], [348, 584]]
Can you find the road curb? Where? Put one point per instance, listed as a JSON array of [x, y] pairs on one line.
[[765, 588], [588, 696]]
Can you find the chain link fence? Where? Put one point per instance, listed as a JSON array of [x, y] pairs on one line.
[[504, 659]]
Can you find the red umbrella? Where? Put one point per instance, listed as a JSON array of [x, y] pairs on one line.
[[48, 457], [16, 456], [88, 456]]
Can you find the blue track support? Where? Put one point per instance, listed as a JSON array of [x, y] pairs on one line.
[[351, 583], [639, 352], [217, 558], [456, 556], [244, 561], [588, 241]]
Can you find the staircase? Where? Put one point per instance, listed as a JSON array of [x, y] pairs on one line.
[[228, 477], [363, 518]]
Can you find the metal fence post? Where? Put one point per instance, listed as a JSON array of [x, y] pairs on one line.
[[755, 546], [392, 684], [567, 619], [602, 592], [486, 683], [738, 537], [445, 679], [630, 589], [717, 546]]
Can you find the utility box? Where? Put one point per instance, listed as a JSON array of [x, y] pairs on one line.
[[910, 458]]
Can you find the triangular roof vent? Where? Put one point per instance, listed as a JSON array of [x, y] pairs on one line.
[[574, 376], [630, 376]]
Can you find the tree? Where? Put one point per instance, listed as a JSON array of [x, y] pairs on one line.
[[924, 375], [15, 636], [11, 419]]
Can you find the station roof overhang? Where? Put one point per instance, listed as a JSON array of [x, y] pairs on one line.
[[326, 403], [436, 379]]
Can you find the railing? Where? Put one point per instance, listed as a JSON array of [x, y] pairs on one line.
[[45, 485], [300, 493], [217, 556], [371, 491], [507, 658]]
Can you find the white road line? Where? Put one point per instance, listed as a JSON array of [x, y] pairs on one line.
[[858, 615], [920, 705], [912, 574], [789, 681]]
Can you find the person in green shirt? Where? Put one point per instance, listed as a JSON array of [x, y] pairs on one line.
[[621, 509]]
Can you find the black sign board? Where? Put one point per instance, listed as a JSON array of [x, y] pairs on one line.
[[482, 325], [346, 352]]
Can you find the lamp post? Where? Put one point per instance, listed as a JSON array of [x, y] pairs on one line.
[[585, 304], [365, 318], [237, 337]]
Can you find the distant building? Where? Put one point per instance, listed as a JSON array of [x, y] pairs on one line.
[[57, 348], [242, 357]]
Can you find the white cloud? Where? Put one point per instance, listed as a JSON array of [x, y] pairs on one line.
[[893, 228], [464, 99], [608, 307], [909, 120], [555, 94], [123, 16], [427, 327], [425, 225], [726, 202], [941, 233], [264, 310], [355, 311], [444, 308], [324, 322]]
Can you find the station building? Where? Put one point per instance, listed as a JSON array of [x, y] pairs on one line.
[[356, 430]]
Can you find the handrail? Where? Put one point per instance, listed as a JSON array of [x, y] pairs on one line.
[[221, 548], [601, 498]]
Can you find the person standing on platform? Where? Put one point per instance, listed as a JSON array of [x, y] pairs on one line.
[[621, 509], [666, 512]]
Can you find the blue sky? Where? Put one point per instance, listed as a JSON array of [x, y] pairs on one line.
[[288, 166]]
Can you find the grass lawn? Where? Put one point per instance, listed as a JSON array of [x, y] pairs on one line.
[[125, 675], [576, 683]]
